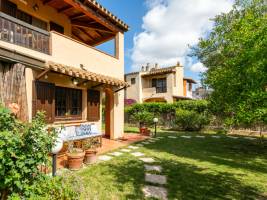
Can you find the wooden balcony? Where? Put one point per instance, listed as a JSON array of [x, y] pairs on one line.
[[20, 33]]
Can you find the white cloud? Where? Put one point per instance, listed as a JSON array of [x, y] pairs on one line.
[[198, 68], [170, 26]]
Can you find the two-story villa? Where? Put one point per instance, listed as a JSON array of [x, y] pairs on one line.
[[154, 84], [48, 61]]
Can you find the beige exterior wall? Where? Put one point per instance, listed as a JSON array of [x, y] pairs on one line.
[[144, 89]]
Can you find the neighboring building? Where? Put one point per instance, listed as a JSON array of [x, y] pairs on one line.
[[159, 84], [48, 61], [201, 93]]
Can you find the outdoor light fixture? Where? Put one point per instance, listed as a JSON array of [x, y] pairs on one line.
[[75, 81], [35, 7], [55, 149], [155, 120], [46, 76]]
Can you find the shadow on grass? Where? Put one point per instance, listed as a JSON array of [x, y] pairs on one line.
[[121, 178], [235, 153], [190, 182]]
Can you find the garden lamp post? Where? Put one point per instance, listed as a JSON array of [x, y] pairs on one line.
[[55, 149], [155, 120]]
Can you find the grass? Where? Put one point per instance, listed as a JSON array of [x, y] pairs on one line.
[[196, 168]]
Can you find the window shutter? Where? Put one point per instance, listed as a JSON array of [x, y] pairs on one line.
[[44, 99], [93, 105]]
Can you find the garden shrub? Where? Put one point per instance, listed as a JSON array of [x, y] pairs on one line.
[[24, 147], [166, 112], [143, 117], [190, 120]]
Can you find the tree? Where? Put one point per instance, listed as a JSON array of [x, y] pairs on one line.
[[235, 53]]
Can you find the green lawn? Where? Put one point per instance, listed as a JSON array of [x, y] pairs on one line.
[[210, 168]]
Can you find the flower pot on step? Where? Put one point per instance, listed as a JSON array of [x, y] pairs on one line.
[[75, 159], [90, 156]]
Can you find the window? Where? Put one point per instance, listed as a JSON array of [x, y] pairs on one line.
[[160, 84], [56, 27], [68, 103], [132, 81]]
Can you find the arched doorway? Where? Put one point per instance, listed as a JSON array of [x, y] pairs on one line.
[[109, 118]]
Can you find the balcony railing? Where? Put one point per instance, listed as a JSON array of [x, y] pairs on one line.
[[20, 33]]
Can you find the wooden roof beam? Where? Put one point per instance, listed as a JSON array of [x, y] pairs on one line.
[[43, 73], [78, 37], [89, 26], [64, 9], [83, 31], [93, 14], [47, 2], [77, 16]]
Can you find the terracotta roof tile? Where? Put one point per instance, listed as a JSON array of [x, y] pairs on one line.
[[79, 73]]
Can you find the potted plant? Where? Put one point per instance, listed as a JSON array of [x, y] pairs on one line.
[[90, 151], [143, 118], [75, 157]]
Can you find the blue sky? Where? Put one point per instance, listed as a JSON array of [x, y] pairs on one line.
[[161, 30]]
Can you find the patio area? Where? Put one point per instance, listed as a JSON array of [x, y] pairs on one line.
[[129, 138]]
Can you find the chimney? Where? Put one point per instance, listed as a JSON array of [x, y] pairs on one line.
[[142, 69], [156, 65], [148, 67], [178, 64]]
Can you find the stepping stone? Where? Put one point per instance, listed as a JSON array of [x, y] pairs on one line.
[[155, 192], [172, 137], [160, 137], [153, 168], [137, 154], [233, 137], [250, 138], [125, 150], [147, 160], [186, 136], [146, 142], [154, 178], [215, 136], [116, 153], [140, 145], [152, 141], [104, 158], [200, 136], [133, 147]]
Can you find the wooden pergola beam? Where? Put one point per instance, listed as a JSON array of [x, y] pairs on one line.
[[78, 37], [89, 26], [83, 31], [77, 16], [43, 73], [98, 85], [47, 2], [64, 9], [93, 14], [83, 82]]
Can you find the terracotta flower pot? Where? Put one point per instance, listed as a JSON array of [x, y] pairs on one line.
[[90, 156], [75, 160]]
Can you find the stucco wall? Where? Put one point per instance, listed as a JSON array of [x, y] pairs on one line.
[[133, 92]]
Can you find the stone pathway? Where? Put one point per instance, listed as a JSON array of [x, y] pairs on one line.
[[185, 136], [137, 154], [200, 136], [133, 147], [147, 160], [116, 153], [125, 150], [156, 168], [104, 158], [172, 137], [155, 179], [155, 192]]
